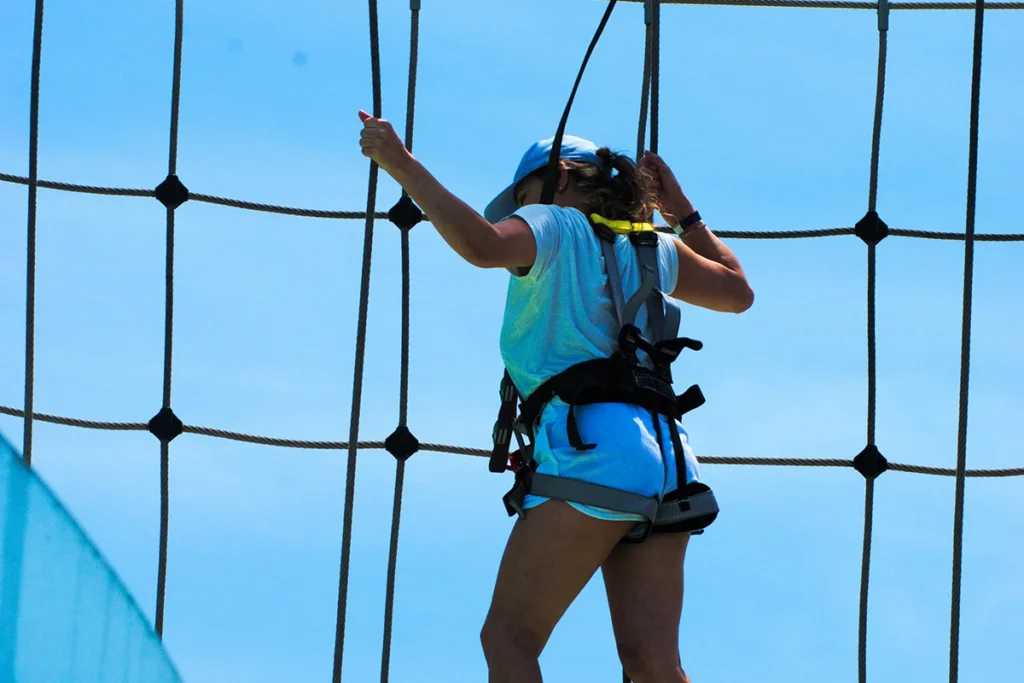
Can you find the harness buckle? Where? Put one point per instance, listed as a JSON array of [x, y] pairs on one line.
[[651, 382], [516, 461], [630, 340], [644, 239], [692, 398], [603, 232]]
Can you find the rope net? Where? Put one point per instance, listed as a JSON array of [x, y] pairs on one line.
[[871, 229]]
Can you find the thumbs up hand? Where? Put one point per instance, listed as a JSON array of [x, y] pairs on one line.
[[381, 143]]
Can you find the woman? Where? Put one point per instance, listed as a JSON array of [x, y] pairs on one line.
[[558, 313]]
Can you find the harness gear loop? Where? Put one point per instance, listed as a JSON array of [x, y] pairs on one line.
[[621, 377]]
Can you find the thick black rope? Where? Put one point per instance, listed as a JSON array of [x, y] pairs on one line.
[[30, 264], [403, 389], [172, 169], [869, 486], [357, 382], [965, 348], [655, 6], [547, 193]]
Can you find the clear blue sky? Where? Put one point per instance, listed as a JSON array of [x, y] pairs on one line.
[[766, 116]]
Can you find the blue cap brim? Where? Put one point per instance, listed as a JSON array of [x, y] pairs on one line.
[[536, 158], [502, 206]]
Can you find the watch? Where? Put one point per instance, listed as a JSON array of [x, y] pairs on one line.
[[688, 224]]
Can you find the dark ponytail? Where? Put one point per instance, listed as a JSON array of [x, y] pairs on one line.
[[619, 189]]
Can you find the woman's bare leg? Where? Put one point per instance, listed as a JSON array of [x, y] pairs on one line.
[[549, 558], [644, 583]]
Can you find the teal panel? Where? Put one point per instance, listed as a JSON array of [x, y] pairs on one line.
[[64, 615]]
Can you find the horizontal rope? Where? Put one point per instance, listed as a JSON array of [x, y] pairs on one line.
[[355, 215], [775, 462], [959, 236], [484, 453], [195, 197], [841, 4], [74, 422], [284, 210], [70, 187], [777, 234], [950, 472]]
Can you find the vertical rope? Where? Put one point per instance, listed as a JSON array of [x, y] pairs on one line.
[[865, 573], [655, 70], [869, 488], [357, 382], [30, 265], [172, 166], [876, 133], [965, 346], [403, 401], [649, 87], [16, 506], [161, 574], [645, 89], [547, 193]]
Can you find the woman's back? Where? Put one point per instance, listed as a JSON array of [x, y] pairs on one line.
[[561, 313]]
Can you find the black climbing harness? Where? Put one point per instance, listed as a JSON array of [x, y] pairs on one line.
[[623, 377], [620, 378]]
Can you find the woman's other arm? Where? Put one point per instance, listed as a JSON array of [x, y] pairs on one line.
[[507, 244]]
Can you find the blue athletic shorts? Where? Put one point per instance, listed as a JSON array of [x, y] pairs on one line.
[[627, 455]]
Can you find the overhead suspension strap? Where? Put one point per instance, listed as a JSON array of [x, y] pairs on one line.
[[547, 194]]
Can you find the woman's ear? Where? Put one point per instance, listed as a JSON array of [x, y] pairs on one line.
[[563, 178]]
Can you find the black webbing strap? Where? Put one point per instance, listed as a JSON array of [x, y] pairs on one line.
[[547, 194], [504, 426]]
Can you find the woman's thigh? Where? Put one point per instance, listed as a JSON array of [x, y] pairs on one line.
[[644, 583], [549, 558]]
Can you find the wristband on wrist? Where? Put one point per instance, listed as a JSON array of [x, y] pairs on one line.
[[688, 224]]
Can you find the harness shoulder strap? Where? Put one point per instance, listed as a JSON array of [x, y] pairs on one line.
[[645, 242], [614, 279]]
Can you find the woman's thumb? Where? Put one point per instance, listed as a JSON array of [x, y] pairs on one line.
[[363, 116]]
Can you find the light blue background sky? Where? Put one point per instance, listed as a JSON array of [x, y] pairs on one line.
[[766, 116]]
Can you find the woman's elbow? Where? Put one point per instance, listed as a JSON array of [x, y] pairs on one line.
[[480, 253], [744, 297]]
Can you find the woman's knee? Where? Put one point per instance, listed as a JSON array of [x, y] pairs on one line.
[[503, 637]]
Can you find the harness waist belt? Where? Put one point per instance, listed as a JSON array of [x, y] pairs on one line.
[[621, 378], [693, 511], [612, 380]]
